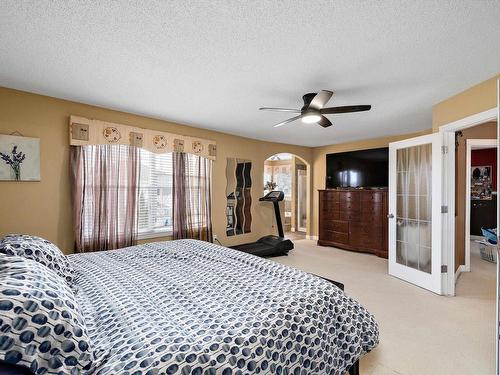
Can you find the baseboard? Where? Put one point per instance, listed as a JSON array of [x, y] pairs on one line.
[[476, 238], [459, 271], [314, 238]]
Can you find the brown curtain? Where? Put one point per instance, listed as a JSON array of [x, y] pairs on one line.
[[105, 187], [192, 184]]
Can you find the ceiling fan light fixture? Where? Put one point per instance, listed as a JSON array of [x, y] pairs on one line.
[[313, 111], [311, 118]]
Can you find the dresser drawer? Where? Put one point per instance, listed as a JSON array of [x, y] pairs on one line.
[[372, 210], [341, 226], [329, 195], [349, 196], [329, 215], [333, 196], [336, 226], [350, 206], [335, 215], [350, 215], [330, 235], [329, 205], [371, 228], [371, 241], [341, 237], [372, 196]]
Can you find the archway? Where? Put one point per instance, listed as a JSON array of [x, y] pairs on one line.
[[291, 174]]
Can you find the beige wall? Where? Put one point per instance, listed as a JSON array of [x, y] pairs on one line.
[[484, 131], [319, 164], [476, 99], [44, 208]]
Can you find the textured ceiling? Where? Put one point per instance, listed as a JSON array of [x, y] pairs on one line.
[[211, 64]]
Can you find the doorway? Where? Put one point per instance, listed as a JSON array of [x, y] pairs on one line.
[[475, 193], [453, 227], [289, 173], [480, 201]]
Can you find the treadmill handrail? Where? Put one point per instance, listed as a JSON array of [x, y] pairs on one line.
[[271, 197], [279, 224]]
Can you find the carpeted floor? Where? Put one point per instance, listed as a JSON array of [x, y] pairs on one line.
[[420, 333], [294, 236]]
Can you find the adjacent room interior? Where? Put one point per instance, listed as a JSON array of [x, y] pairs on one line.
[[476, 203], [288, 173]]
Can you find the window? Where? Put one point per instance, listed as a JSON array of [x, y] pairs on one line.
[[155, 194], [283, 179], [155, 211]]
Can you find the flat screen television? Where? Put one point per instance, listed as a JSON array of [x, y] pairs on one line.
[[366, 168]]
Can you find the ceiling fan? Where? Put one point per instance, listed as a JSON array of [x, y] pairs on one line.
[[313, 110]]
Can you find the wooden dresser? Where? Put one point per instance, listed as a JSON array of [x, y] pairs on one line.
[[354, 220]]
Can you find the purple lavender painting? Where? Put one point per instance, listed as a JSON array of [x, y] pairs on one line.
[[19, 158]]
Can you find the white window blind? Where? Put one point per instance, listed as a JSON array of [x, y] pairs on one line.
[[155, 194]]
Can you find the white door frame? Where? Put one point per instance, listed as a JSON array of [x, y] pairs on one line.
[[497, 312], [471, 144], [448, 133]]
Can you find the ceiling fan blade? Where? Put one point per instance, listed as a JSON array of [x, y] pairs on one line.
[[279, 109], [345, 109], [287, 121], [324, 122], [320, 99]]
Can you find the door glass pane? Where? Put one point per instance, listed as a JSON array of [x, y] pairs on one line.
[[425, 259], [402, 181], [401, 252], [402, 232], [411, 255], [411, 200], [413, 211]]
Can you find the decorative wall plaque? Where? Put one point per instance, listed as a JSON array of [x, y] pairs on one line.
[[85, 131], [136, 139], [80, 131]]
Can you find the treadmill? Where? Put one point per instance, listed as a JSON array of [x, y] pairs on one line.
[[270, 246]]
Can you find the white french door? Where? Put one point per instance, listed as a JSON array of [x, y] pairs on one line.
[[415, 179]]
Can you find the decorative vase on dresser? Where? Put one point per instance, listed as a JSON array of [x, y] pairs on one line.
[[354, 219]]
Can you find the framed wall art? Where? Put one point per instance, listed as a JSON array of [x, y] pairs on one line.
[[19, 158]]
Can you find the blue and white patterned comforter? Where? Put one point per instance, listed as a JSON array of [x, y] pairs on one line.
[[191, 307]]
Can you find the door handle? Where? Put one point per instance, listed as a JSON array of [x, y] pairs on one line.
[[390, 216]]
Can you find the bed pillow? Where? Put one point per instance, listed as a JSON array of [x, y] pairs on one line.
[[42, 326], [40, 250]]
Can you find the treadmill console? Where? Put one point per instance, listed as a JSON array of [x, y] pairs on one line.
[[273, 196]]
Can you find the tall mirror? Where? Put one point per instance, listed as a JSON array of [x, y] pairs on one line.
[[238, 194]]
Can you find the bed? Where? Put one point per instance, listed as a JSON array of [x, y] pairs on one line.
[[192, 307]]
